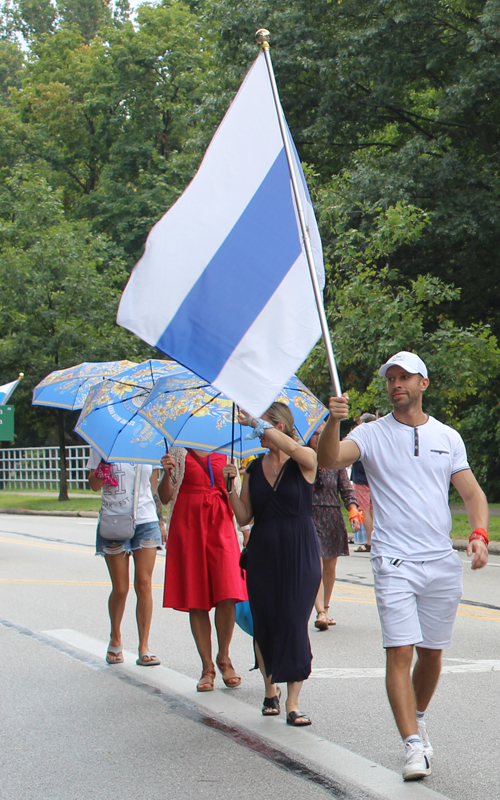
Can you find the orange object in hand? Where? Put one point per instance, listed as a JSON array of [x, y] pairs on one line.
[[355, 513]]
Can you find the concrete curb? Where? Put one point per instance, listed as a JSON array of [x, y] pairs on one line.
[[342, 765], [29, 512]]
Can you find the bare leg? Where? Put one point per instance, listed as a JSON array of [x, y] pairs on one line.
[[319, 603], [119, 573], [292, 703], [144, 561], [271, 688], [292, 700], [202, 633], [329, 574], [426, 674], [321, 618], [400, 689], [225, 613], [368, 523]]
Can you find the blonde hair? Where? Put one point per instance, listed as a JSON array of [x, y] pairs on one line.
[[279, 412]]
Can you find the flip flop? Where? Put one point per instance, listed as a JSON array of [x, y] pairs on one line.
[[116, 651], [153, 661], [363, 548], [293, 717]]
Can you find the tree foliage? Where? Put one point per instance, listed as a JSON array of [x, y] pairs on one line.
[[60, 287], [394, 106]]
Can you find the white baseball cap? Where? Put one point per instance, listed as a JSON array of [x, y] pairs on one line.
[[408, 361]]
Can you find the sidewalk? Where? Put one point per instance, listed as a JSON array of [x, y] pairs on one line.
[[494, 512]]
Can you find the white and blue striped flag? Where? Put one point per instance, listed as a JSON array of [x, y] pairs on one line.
[[223, 286], [7, 389]]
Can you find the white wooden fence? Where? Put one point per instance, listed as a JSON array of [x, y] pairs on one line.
[[38, 467]]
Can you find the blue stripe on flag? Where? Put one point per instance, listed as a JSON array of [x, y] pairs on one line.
[[251, 263]]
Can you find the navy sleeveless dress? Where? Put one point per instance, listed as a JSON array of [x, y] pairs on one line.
[[283, 571]]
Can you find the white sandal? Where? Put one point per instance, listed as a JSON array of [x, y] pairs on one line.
[[116, 651], [153, 661]]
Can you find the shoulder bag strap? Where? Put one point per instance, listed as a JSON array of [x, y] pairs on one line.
[[137, 490]]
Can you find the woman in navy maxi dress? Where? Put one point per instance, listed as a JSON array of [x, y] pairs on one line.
[[283, 558]]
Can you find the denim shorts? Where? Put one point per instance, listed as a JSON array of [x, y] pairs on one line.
[[146, 535]]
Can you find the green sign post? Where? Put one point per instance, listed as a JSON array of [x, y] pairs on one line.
[[6, 423]]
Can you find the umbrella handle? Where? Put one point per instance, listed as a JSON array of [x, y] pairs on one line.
[[229, 480]]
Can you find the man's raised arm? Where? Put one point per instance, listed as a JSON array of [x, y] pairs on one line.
[[332, 453]]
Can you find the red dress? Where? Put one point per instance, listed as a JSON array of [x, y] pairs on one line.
[[202, 552]]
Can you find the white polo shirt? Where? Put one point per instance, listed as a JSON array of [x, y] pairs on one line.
[[409, 472], [120, 499]]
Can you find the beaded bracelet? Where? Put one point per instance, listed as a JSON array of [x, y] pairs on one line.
[[479, 533]]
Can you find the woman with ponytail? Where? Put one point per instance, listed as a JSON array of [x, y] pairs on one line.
[[282, 556]]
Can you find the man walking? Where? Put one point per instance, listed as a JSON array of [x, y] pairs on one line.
[[410, 458]]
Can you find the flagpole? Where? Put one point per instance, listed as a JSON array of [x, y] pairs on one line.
[[262, 36]]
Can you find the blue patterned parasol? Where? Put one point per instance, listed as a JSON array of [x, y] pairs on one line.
[[190, 412], [110, 421], [68, 388]]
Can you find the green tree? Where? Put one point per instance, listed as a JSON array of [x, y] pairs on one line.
[[403, 96], [117, 120], [60, 289], [374, 311]]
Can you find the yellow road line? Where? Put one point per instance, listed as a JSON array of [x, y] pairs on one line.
[[479, 614], [362, 595], [353, 589]]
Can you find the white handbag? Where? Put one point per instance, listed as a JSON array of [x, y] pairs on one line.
[[120, 527]]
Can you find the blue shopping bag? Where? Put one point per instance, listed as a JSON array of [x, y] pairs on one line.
[[244, 617]]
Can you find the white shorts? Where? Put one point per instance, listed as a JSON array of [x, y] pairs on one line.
[[417, 600]]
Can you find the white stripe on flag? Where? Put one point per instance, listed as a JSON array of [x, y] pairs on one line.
[[6, 391], [266, 350], [186, 238], [223, 286]]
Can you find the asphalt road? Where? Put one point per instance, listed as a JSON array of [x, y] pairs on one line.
[[72, 727]]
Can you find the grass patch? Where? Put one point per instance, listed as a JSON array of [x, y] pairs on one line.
[[13, 500], [461, 527]]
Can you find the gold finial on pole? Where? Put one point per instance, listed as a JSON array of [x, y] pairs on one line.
[[263, 36]]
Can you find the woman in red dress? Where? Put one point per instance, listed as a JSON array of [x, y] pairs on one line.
[[202, 567]]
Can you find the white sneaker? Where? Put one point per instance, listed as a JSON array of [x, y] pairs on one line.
[[422, 732], [417, 764]]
